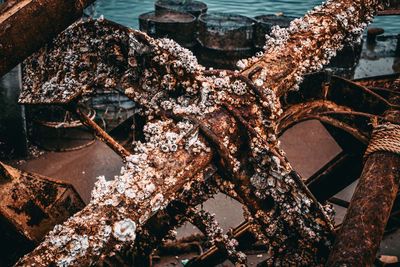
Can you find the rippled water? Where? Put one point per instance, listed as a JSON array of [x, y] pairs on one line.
[[126, 12]]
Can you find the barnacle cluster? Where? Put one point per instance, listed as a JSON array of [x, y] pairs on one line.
[[161, 77], [341, 21], [125, 230], [207, 223]]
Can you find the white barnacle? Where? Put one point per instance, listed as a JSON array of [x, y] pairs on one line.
[[85, 242], [271, 181], [106, 231], [258, 181], [156, 202], [150, 188], [258, 82], [164, 148], [101, 187], [66, 261], [130, 193], [125, 230], [120, 187], [173, 147], [306, 201], [241, 64]]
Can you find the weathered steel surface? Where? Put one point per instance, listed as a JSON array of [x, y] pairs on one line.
[[25, 25], [364, 224], [366, 218], [162, 166], [210, 110], [30, 206]]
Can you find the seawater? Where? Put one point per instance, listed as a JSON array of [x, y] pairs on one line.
[[126, 12]]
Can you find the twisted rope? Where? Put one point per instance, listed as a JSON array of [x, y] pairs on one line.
[[385, 137]]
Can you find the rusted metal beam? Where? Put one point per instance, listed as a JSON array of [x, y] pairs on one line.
[[30, 206], [363, 227], [368, 213], [389, 12], [88, 122], [25, 25]]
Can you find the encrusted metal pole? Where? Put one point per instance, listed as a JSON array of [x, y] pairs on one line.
[[364, 224], [120, 150], [26, 25]]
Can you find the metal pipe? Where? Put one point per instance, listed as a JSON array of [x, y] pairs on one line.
[[26, 25]]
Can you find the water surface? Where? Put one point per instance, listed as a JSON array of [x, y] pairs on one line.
[[126, 12]]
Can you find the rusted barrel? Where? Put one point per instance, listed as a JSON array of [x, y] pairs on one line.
[[265, 24], [55, 129], [178, 26], [196, 8], [224, 39]]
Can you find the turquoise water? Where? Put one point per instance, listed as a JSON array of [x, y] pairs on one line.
[[126, 12]]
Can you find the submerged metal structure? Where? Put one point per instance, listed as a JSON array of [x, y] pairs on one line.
[[30, 206], [203, 131]]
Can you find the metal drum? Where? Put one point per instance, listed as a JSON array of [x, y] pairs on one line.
[[224, 39], [196, 8], [56, 129], [178, 26]]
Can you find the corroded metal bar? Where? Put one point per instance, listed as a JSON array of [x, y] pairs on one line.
[[392, 9], [88, 122], [25, 25], [364, 224], [368, 213]]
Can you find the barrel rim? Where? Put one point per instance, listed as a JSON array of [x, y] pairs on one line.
[[201, 7], [239, 49], [143, 17], [258, 20], [207, 23]]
